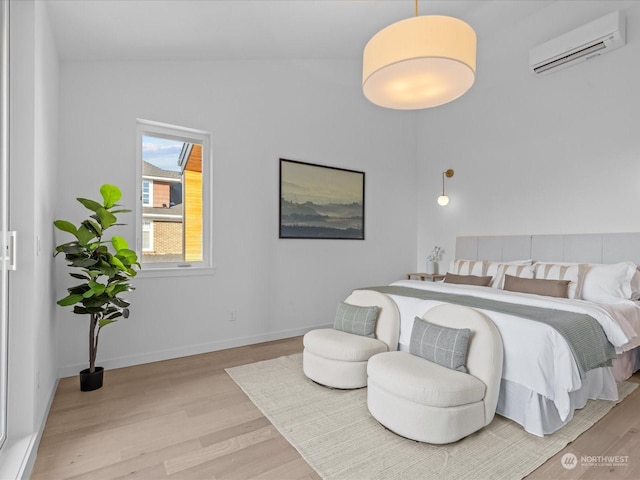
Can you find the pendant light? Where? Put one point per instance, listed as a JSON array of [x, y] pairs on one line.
[[420, 62]]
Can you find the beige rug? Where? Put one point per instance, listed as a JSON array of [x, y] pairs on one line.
[[335, 434]]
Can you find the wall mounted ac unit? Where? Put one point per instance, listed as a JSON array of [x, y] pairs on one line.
[[595, 38]]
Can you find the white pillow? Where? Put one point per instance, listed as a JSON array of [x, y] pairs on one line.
[[635, 285], [513, 269], [607, 283], [469, 267], [482, 268], [575, 273], [494, 267]]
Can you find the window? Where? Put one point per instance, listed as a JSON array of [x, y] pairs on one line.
[[147, 193], [147, 235], [174, 212]]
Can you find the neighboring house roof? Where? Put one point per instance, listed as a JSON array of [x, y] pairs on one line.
[[150, 170], [170, 214]]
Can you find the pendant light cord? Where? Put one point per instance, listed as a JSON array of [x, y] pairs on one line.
[[443, 174], [416, 8]]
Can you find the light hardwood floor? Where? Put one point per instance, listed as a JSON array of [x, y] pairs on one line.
[[186, 419]]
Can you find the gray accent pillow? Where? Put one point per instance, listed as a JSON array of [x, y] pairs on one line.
[[356, 319], [445, 346], [468, 279], [537, 286]]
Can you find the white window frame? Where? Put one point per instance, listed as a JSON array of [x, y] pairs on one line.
[[182, 134], [150, 203], [150, 234], [4, 222]]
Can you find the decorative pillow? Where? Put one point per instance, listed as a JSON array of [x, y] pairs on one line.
[[467, 279], [513, 269], [469, 267], [558, 271], [550, 288], [606, 283], [356, 319], [635, 285], [442, 345], [492, 268]]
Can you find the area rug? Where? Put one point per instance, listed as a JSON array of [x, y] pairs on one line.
[[336, 435]]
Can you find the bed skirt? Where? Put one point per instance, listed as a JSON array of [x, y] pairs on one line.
[[538, 415]]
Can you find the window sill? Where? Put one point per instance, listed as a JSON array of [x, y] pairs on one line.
[[160, 272]]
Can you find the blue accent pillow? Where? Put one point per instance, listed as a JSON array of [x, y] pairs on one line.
[[445, 346], [356, 319]]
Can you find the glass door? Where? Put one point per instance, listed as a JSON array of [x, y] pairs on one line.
[[5, 239]]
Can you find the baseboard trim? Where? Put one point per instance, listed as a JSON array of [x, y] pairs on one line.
[[71, 370], [30, 459]]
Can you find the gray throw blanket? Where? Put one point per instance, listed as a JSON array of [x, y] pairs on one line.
[[583, 333]]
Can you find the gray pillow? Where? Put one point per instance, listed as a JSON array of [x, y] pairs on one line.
[[356, 319], [537, 286], [445, 346]]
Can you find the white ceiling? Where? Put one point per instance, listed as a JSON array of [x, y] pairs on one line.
[[246, 29]]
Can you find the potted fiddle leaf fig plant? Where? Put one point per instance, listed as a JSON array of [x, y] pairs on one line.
[[104, 266]]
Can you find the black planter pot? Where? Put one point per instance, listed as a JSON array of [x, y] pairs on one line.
[[91, 381]]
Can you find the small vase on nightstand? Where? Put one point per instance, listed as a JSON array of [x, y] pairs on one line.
[[432, 267]]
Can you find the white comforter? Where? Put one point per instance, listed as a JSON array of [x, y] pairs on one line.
[[536, 356]]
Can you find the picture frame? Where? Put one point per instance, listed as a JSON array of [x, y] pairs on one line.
[[320, 202]]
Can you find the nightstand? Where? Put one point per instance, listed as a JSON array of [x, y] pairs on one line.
[[426, 276]]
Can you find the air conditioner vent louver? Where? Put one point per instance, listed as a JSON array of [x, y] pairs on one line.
[[571, 57], [596, 38]]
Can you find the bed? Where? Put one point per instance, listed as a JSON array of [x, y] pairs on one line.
[[542, 383]]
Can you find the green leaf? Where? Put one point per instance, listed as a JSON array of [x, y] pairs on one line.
[[104, 322], [78, 289], [72, 248], [115, 261], [85, 235], [90, 204], [128, 257], [80, 310], [111, 194], [66, 227], [97, 288], [119, 243], [93, 226], [80, 276], [84, 262], [116, 289], [106, 218], [114, 315], [69, 300], [107, 269], [120, 302], [121, 210]]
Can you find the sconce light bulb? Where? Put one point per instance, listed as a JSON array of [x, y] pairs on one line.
[[443, 200]]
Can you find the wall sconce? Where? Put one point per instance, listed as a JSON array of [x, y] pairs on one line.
[[443, 199]]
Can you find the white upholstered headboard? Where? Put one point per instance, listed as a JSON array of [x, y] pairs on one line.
[[584, 248]]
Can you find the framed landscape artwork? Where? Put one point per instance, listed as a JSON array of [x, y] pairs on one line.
[[320, 202]]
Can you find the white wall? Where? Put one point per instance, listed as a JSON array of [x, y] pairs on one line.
[[33, 156], [257, 111], [534, 155], [46, 193]]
